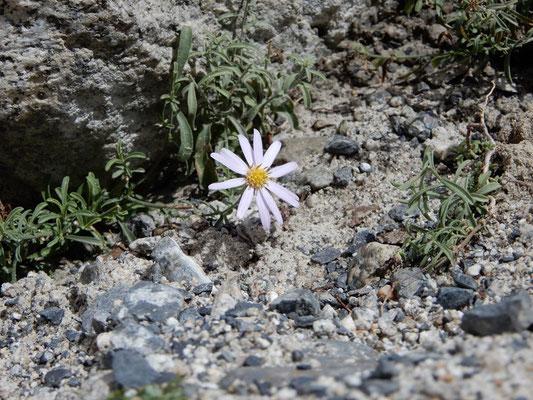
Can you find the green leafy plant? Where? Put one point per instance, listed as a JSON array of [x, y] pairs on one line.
[[228, 88], [167, 391], [65, 216], [476, 29], [452, 208]]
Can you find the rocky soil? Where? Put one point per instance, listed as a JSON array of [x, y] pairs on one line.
[[300, 312]]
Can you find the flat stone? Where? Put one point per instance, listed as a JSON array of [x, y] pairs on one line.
[[131, 370], [464, 281], [176, 265], [343, 176], [300, 301], [454, 298], [512, 314], [326, 255], [54, 377], [411, 282], [139, 338], [53, 315], [318, 178], [342, 145]]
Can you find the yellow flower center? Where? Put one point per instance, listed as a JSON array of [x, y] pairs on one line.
[[256, 177]]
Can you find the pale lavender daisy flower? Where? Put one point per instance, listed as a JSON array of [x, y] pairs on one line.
[[258, 178]]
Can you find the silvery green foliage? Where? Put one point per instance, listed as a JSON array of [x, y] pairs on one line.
[[229, 89], [65, 216], [461, 201]]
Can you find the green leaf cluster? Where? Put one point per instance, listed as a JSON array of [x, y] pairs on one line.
[[461, 201], [228, 88], [167, 391], [477, 30], [66, 216]]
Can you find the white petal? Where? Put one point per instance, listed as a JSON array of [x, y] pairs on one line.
[[236, 160], [228, 162], [271, 154], [283, 194], [246, 149], [271, 204], [258, 148], [263, 212], [282, 170], [230, 183], [244, 204]]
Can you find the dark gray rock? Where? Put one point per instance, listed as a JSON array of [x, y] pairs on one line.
[[379, 97], [299, 301], [411, 282], [297, 355], [252, 361], [53, 315], [326, 255], [45, 357], [176, 265], [384, 370], [342, 145], [54, 377], [464, 281], [189, 314], [454, 298], [91, 272], [343, 176], [512, 314], [73, 336], [422, 126], [131, 370], [141, 225], [203, 288], [241, 309], [363, 237]]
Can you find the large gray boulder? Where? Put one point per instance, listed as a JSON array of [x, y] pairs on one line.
[[78, 75]]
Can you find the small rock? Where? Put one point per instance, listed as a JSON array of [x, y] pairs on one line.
[[365, 167], [176, 265], [454, 297], [343, 128], [53, 315], [131, 370], [252, 361], [411, 282], [342, 145], [54, 377], [141, 225], [324, 327], [326, 255], [399, 212], [379, 386], [343, 176], [464, 281], [384, 370], [144, 245], [363, 237], [512, 314], [379, 98], [474, 270], [91, 272], [374, 259], [46, 357], [297, 355], [320, 124], [203, 288], [318, 178], [300, 301]]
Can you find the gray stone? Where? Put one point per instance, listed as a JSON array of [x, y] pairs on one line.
[[141, 225], [379, 386], [143, 301], [252, 361], [131, 370], [372, 260], [399, 212], [342, 145], [144, 246], [299, 301], [132, 336], [464, 281], [318, 178], [512, 314], [365, 167], [53, 315], [379, 98], [363, 237], [175, 265], [411, 282], [91, 272], [54, 377], [385, 369], [454, 297], [326, 255], [46, 357], [343, 176]]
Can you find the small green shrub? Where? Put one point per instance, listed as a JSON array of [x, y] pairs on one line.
[[228, 88], [65, 217], [477, 30], [457, 205]]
